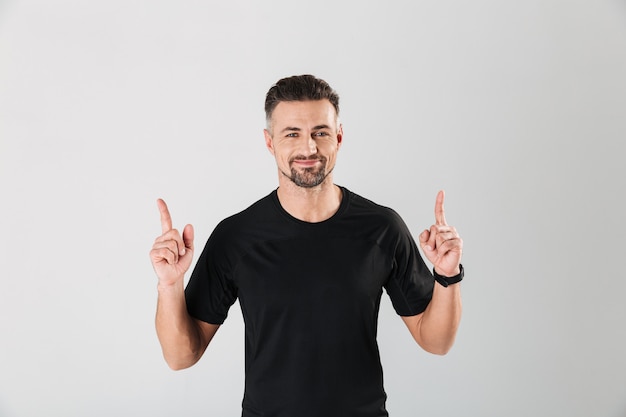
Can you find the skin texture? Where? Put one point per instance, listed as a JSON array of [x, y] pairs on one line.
[[304, 137]]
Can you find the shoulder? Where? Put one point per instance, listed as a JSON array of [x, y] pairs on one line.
[[361, 206], [261, 207], [251, 221]]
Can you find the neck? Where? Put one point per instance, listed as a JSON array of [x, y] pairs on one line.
[[312, 205]]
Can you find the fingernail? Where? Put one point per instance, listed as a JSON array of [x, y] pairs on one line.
[[428, 247], [182, 252]]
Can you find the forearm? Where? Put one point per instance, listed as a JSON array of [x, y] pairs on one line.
[[435, 329], [178, 333], [440, 321]]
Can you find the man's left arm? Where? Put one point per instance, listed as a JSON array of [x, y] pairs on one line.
[[435, 329]]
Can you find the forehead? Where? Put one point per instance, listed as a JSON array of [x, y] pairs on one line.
[[310, 112]]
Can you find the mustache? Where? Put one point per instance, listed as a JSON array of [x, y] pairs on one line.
[[307, 158]]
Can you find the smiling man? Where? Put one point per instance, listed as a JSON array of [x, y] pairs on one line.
[[308, 264], [307, 148]]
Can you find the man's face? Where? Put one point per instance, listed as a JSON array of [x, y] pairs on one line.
[[304, 137]]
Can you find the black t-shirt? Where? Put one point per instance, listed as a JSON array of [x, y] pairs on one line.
[[310, 295]]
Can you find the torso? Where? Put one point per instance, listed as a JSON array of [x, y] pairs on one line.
[[310, 294]]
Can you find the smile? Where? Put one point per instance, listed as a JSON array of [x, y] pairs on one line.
[[307, 163]]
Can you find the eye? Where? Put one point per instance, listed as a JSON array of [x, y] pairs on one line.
[[292, 135], [321, 134]]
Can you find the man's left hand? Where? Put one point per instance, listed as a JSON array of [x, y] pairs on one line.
[[441, 244]]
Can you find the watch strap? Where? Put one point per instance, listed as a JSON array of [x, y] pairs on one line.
[[445, 281]]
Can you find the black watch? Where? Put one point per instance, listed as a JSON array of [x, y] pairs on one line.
[[445, 281]]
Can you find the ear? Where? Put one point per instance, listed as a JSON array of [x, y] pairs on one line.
[[269, 144], [339, 136]]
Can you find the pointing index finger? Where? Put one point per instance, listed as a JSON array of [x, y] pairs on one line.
[[440, 217], [166, 219]]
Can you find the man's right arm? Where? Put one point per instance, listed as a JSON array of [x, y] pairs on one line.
[[183, 338]]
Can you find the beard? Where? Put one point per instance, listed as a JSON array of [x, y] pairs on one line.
[[308, 177]]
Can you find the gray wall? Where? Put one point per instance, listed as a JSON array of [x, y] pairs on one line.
[[516, 109]]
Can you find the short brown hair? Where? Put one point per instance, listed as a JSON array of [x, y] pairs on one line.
[[299, 88]]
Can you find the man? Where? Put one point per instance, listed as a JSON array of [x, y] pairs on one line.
[[308, 264]]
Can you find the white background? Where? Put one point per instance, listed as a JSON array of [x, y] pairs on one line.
[[516, 109]]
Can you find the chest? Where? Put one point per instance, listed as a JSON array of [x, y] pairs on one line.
[[301, 273]]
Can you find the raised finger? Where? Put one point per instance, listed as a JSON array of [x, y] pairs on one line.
[[172, 234], [444, 228], [440, 217], [166, 219]]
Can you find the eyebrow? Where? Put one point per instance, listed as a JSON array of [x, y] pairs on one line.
[[297, 129]]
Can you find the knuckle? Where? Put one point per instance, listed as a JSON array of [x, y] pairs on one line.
[[172, 245]]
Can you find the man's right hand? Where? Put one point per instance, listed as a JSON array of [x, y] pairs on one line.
[[171, 254]]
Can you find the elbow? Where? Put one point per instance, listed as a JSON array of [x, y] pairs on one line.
[[440, 348], [177, 366], [178, 363]]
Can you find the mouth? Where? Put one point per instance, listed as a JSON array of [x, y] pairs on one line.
[[306, 163]]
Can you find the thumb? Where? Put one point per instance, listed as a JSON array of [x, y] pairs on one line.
[[424, 238], [188, 236]]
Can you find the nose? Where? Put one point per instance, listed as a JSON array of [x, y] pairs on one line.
[[309, 147]]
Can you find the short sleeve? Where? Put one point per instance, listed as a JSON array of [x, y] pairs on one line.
[[410, 284], [211, 292]]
